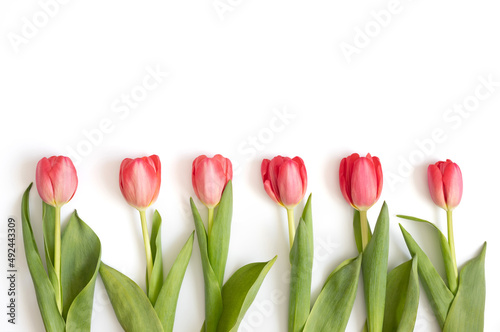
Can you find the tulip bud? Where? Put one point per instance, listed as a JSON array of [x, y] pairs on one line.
[[209, 177], [140, 181], [361, 180], [285, 180], [56, 180], [445, 184]]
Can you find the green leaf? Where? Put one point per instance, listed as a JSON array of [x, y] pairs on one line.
[[301, 259], [156, 281], [356, 225], [438, 293], [80, 259], [333, 307], [239, 292], [218, 239], [166, 303], [49, 217], [445, 250], [467, 310], [213, 297], [45, 295], [131, 305], [402, 297], [374, 267]]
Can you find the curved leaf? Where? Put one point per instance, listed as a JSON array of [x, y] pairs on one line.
[[445, 250], [131, 305], [374, 265], [80, 259], [166, 303], [155, 283], [467, 310], [218, 239], [213, 297], [402, 297], [333, 307], [438, 293], [239, 292], [301, 258], [45, 296]]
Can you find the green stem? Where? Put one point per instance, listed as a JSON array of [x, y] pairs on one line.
[[147, 245], [363, 220], [210, 219], [291, 226], [451, 241], [57, 256]]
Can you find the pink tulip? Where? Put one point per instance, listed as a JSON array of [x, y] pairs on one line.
[[361, 180], [56, 180], [445, 184], [285, 180], [209, 177], [140, 181]]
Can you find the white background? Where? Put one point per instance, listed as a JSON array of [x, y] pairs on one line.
[[251, 79]]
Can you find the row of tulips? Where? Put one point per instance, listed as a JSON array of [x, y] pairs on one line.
[[64, 287]]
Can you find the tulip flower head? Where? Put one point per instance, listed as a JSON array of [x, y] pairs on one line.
[[361, 180], [209, 177], [285, 180], [140, 181], [56, 180], [445, 184]]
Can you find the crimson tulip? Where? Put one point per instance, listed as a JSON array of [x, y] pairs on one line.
[[209, 177], [140, 181], [445, 184], [285, 180], [56, 180], [361, 180], [446, 187]]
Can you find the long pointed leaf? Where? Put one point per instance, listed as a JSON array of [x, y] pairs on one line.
[[402, 298], [45, 296], [438, 293], [333, 307], [356, 226], [166, 303], [218, 239], [156, 281], [213, 297], [80, 259], [239, 292], [131, 305], [445, 250], [374, 265], [301, 259], [467, 310]]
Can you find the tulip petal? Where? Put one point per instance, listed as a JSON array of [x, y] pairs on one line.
[[435, 181], [290, 184], [452, 185], [209, 178], [363, 184]]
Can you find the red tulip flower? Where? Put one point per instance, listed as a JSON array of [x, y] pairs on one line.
[[209, 177], [285, 180], [56, 180], [140, 181], [361, 180], [445, 184]]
